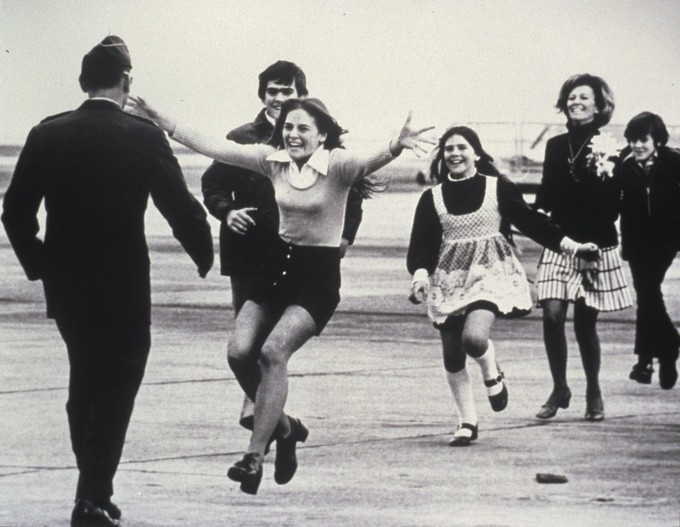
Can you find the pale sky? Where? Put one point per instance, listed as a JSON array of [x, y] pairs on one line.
[[371, 61]]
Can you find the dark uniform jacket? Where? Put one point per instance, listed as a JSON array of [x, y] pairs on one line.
[[95, 169], [650, 204], [226, 188]]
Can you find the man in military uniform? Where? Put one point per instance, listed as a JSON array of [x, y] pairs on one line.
[[95, 168]]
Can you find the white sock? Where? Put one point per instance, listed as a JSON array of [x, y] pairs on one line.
[[461, 389], [487, 363]]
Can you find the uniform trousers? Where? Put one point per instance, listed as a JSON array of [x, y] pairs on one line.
[[107, 361]]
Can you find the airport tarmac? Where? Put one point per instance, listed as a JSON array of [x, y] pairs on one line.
[[372, 392]]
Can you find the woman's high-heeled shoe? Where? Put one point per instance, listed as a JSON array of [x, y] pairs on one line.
[[554, 402], [248, 472], [594, 409]]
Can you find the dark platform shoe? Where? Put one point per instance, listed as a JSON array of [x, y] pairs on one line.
[[286, 463], [248, 472]]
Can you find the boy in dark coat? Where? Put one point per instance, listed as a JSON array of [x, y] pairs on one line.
[[649, 180]]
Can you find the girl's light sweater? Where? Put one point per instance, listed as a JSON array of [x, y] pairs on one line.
[[311, 200]]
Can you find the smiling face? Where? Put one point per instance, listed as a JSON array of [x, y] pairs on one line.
[[301, 135], [643, 148], [274, 96], [581, 105], [459, 157]]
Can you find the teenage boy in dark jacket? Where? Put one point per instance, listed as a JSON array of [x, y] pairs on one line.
[[649, 179]]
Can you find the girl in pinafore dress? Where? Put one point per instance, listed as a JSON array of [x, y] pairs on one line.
[[462, 262]]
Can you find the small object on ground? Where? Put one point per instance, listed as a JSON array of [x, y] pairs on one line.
[[545, 477]]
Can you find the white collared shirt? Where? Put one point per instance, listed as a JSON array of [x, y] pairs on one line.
[[316, 166]]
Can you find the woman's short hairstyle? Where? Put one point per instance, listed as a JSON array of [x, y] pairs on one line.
[[647, 123], [484, 164], [283, 72], [604, 97]]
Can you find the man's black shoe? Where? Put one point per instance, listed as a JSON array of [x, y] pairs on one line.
[[87, 514]]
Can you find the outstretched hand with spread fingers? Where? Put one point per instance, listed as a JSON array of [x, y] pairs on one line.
[[139, 106], [412, 139]]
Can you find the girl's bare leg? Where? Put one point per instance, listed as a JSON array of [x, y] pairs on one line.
[[295, 327]]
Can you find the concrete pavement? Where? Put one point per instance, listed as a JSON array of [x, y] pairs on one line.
[[371, 390]]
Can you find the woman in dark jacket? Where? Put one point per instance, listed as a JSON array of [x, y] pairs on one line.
[[649, 180], [585, 204]]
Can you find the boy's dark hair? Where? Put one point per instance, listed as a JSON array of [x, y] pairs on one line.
[[286, 73], [647, 123]]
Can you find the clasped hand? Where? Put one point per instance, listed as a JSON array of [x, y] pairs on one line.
[[419, 289], [590, 252]]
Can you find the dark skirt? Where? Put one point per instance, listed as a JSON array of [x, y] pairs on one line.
[[305, 276]]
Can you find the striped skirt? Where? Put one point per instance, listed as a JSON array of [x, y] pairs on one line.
[[563, 277]]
